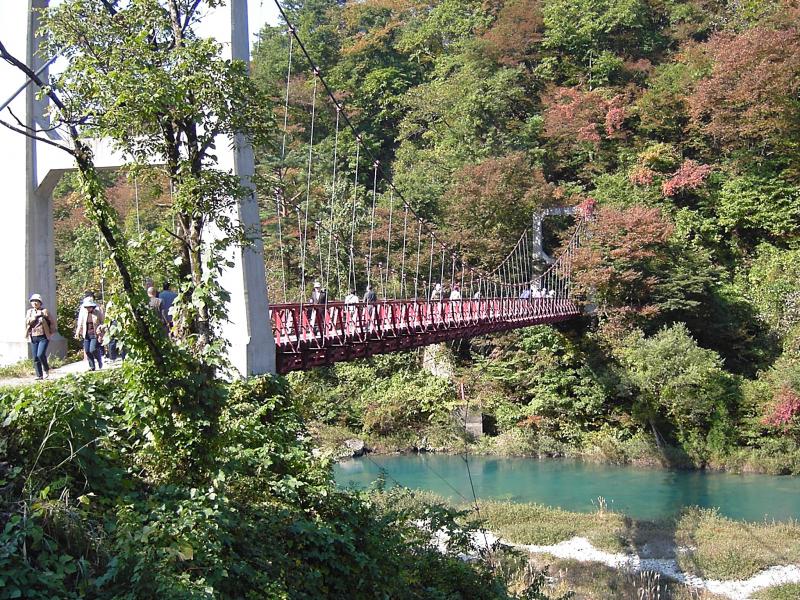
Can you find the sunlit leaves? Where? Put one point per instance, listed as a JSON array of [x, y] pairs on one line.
[[750, 99]]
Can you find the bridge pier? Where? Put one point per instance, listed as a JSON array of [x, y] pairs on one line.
[[31, 169], [26, 227]]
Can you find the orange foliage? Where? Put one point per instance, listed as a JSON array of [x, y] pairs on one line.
[[618, 265], [751, 95], [516, 33], [490, 204], [573, 116]]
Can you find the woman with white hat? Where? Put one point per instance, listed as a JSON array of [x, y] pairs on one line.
[[39, 329], [89, 329]]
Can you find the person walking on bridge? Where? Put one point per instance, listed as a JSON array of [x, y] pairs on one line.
[[319, 298], [351, 304], [39, 329], [371, 310]]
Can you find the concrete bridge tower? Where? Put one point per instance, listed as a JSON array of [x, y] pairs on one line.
[[31, 170]]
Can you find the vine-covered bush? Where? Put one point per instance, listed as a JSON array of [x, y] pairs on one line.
[[84, 512]]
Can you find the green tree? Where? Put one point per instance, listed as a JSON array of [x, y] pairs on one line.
[[546, 380], [585, 38], [758, 206], [771, 285], [674, 379], [468, 111], [159, 91]]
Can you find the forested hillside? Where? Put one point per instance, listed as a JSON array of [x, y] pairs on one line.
[[680, 119]]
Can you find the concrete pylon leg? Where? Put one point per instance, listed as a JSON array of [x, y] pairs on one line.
[[249, 331], [537, 238], [26, 228]]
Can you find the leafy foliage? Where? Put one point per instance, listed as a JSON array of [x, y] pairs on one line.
[[85, 515], [677, 380]]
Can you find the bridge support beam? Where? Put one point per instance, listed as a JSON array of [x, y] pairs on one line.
[[31, 170], [26, 228], [249, 332]]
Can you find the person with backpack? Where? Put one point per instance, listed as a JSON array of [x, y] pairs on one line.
[[39, 330]]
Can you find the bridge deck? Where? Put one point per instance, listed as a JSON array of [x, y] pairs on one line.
[[311, 335]]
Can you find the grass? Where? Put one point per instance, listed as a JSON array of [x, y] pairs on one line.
[[716, 547], [789, 591], [24, 368], [721, 548], [541, 525]]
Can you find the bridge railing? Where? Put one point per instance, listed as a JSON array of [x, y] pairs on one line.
[[312, 334]]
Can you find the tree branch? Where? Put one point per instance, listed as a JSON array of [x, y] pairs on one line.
[[27, 133], [31, 74], [189, 14]]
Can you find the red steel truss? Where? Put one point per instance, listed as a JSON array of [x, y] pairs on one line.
[[312, 335]]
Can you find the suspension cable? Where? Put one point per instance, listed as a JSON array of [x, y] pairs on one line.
[[347, 120], [419, 249], [403, 261], [352, 272], [278, 193], [430, 268], [333, 201], [304, 237], [372, 221], [389, 238]]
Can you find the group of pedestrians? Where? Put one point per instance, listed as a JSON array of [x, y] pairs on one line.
[[91, 328], [440, 293], [536, 293]]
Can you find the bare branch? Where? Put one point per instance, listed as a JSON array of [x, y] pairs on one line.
[[27, 133], [183, 240], [32, 129], [31, 74]]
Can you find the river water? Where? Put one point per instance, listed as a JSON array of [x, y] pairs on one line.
[[576, 486]]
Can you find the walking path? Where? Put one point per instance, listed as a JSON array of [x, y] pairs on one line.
[[57, 373]]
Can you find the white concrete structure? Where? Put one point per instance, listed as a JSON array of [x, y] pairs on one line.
[[538, 220], [31, 170]]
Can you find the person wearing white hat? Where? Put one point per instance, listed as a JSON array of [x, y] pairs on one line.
[[39, 329], [318, 297], [89, 329]]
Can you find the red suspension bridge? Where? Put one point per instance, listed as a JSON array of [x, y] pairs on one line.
[[384, 278], [315, 335], [322, 332]]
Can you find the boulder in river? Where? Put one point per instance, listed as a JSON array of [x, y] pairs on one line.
[[356, 447]]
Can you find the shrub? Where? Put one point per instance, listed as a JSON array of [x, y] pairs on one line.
[[81, 518]]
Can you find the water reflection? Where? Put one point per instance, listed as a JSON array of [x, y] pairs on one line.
[[640, 493]]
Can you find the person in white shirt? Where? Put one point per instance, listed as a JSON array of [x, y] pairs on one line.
[[351, 303]]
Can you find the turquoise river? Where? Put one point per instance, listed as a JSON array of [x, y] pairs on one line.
[[640, 493]]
